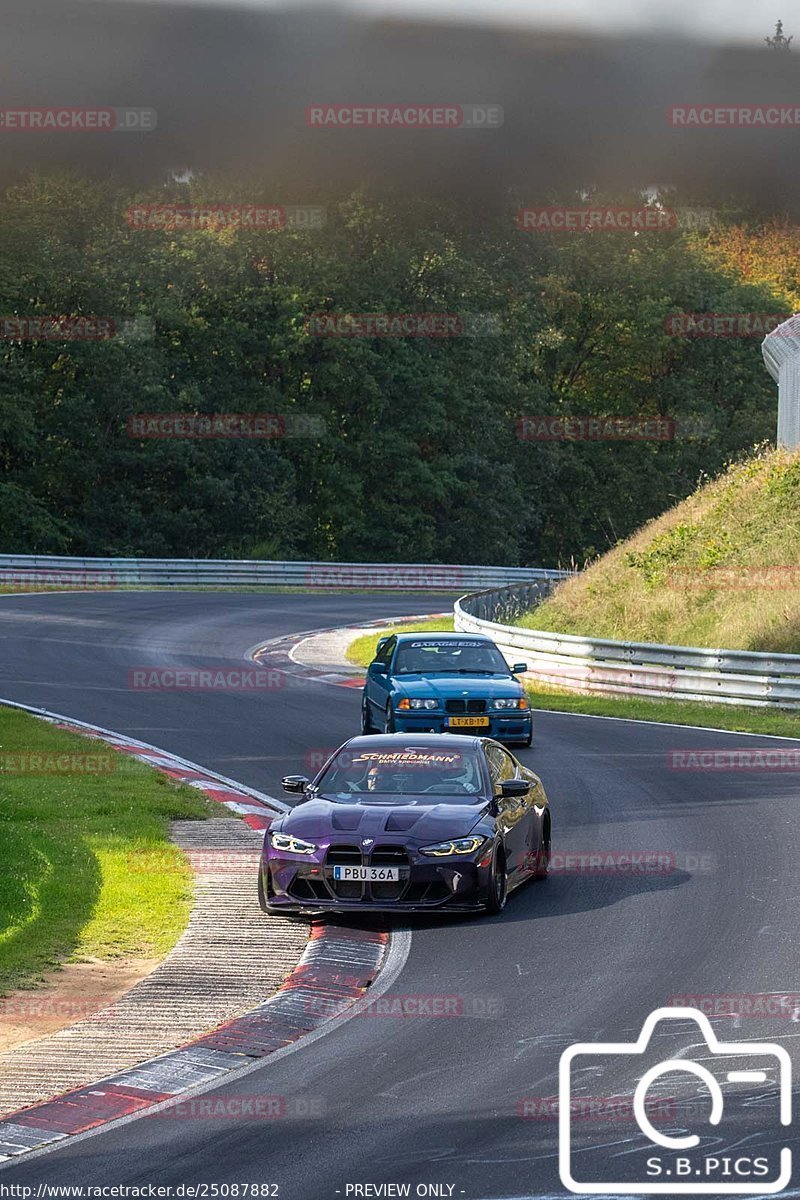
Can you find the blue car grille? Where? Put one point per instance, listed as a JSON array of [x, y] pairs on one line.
[[465, 706]]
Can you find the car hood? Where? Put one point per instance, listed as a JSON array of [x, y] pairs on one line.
[[414, 818], [448, 687]]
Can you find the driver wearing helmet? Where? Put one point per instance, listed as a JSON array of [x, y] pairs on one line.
[[375, 775]]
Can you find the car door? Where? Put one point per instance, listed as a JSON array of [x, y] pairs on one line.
[[513, 811], [535, 815], [378, 683]]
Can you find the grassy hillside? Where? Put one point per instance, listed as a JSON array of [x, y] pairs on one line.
[[720, 569]]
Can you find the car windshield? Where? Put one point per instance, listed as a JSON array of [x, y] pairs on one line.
[[416, 771], [467, 656]]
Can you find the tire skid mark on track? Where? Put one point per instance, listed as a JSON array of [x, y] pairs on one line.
[[338, 965]]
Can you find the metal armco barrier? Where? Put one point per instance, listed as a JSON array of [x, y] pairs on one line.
[[633, 668], [27, 572], [781, 351]]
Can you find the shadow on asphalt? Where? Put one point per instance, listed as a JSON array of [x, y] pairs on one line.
[[557, 896]]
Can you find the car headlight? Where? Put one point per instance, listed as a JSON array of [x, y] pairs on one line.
[[285, 841], [519, 703], [405, 703], [466, 845]]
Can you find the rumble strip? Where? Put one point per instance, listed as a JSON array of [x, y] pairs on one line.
[[339, 963]]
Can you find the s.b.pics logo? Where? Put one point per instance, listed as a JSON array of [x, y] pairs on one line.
[[725, 1135]]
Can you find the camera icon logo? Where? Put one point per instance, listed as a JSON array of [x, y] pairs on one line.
[[686, 1162]]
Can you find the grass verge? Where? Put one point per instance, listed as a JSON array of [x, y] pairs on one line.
[[676, 712], [362, 651], [70, 839]]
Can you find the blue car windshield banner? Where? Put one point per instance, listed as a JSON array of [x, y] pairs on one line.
[[443, 654]]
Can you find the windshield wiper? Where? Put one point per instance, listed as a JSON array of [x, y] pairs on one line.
[[452, 671]]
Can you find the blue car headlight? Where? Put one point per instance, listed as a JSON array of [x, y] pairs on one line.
[[291, 845], [405, 704], [467, 845], [521, 702]]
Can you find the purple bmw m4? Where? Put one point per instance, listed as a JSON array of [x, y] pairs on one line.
[[409, 823]]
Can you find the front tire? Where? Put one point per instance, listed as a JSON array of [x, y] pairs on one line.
[[498, 883], [262, 899], [543, 853], [366, 723], [527, 741], [389, 726]]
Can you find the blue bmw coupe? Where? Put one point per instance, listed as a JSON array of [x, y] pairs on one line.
[[445, 683]]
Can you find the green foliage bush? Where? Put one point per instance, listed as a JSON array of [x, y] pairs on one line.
[[419, 460]]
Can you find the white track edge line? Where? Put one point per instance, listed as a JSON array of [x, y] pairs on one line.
[[561, 712]]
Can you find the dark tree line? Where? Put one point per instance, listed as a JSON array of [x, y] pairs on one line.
[[401, 448]]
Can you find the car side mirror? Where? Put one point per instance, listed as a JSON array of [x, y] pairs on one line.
[[380, 668], [518, 668], [514, 787], [294, 783]]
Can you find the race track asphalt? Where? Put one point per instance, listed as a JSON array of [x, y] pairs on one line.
[[585, 956]]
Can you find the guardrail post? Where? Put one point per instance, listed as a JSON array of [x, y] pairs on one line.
[[781, 350]]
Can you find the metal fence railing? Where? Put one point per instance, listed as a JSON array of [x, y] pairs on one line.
[[26, 572], [633, 668]]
